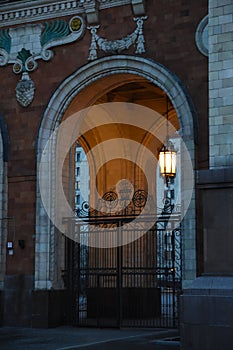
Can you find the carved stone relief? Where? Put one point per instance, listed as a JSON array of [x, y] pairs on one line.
[[118, 45], [23, 46]]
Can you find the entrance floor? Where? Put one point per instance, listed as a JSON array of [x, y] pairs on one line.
[[71, 338]]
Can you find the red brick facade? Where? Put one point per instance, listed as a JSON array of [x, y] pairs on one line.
[[169, 35]]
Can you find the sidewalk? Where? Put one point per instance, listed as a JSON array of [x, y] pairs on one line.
[[71, 338]]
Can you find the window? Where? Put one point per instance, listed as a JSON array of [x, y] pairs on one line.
[[77, 185], [77, 171], [172, 194], [78, 156], [77, 200]]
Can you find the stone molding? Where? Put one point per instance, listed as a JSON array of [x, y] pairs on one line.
[[215, 178], [201, 36], [30, 11]]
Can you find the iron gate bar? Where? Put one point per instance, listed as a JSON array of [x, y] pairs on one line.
[[133, 285]]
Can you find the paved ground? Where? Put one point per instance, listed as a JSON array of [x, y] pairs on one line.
[[70, 338]]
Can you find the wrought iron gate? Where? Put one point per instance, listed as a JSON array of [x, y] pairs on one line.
[[137, 284]]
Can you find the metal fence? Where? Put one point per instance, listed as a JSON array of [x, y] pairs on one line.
[[132, 285]]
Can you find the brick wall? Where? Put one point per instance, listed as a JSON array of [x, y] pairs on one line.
[[170, 39]]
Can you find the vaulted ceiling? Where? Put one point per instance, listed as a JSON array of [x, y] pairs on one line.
[[145, 94]]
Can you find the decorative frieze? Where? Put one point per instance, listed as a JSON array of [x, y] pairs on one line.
[[22, 12], [23, 46], [118, 45]]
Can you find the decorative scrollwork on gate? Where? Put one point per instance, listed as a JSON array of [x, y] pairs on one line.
[[139, 198], [120, 205], [111, 197], [85, 211]]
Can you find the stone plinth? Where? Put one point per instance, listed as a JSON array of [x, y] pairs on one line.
[[207, 317]]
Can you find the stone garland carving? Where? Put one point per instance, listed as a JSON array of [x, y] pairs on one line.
[[23, 46], [118, 45]]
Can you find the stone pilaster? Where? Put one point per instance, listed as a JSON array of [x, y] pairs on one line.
[[206, 322], [221, 82]]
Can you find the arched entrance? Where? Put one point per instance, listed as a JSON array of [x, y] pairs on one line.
[[84, 88]]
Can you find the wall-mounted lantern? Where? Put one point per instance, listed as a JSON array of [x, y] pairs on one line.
[[167, 155]]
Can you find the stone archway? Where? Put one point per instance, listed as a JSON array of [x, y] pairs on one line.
[[107, 73]]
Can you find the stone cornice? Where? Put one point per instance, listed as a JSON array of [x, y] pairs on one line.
[[20, 12]]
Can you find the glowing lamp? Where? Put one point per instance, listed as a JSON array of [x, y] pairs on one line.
[[167, 160]]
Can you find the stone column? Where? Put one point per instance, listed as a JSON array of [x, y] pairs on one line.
[[207, 303]]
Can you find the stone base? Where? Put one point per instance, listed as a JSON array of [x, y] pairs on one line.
[[1, 308], [17, 300], [21, 306], [50, 308], [207, 314]]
